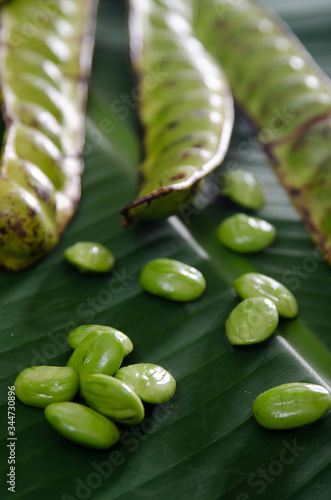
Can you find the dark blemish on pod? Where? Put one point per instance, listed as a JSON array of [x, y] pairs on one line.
[[42, 194], [173, 124], [31, 212], [295, 192], [308, 221], [177, 177], [177, 141]]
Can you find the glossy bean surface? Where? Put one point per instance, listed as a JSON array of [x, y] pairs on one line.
[[97, 353], [78, 334], [246, 234], [259, 285], [150, 382], [243, 188], [82, 425], [252, 321], [291, 405], [172, 280], [90, 257], [186, 110]]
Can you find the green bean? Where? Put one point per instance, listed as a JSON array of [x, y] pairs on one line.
[[245, 234], [186, 108], [286, 97], [42, 385], [243, 188], [291, 405], [90, 257], [82, 425], [304, 166], [259, 285], [44, 87], [113, 398], [252, 321], [81, 332], [150, 382], [98, 353], [172, 280]]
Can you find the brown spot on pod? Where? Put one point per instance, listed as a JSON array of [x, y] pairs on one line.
[[177, 177]]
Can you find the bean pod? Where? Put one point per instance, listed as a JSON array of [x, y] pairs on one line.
[[43, 78], [286, 97], [259, 285], [185, 108], [42, 385]]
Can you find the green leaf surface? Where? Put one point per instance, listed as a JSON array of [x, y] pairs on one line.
[[203, 444]]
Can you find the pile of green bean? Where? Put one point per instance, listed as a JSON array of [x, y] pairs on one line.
[[113, 394]]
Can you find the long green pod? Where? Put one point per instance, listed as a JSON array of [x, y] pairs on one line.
[[186, 108], [286, 97], [45, 61]]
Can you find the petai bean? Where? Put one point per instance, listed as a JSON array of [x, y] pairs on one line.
[[245, 234], [42, 385], [291, 405], [187, 113], [90, 257], [150, 382], [81, 332], [97, 353], [113, 398], [43, 87], [172, 280], [82, 425], [252, 321], [259, 285], [243, 188]]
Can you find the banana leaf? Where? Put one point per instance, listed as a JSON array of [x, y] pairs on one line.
[[204, 443]]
